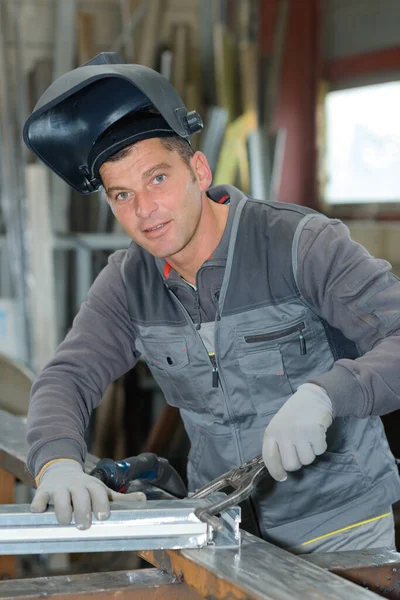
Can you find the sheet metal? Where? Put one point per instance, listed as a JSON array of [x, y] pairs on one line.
[[154, 524], [257, 570]]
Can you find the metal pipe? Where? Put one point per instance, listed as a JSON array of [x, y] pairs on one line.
[[13, 197]]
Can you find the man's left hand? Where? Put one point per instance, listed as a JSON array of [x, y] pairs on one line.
[[297, 433]]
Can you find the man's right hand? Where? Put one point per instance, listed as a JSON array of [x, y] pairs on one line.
[[65, 485]]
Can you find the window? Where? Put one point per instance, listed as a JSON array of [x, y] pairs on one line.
[[363, 145]]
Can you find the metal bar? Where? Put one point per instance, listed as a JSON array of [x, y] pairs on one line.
[[64, 56], [275, 63], [131, 526], [11, 176], [214, 131], [141, 584], [277, 165], [14, 448], [258, 571], [124, 38], [84, 274], [257, 162], [94, 241], [353, 559]]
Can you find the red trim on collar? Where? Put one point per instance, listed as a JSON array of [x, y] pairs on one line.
[[167, 269], [221, 200]]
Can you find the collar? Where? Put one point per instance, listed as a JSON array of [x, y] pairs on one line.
[[222, 194]]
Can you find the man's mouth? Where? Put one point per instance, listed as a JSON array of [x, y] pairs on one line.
[[156, 227]]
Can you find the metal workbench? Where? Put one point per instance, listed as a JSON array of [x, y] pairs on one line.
[[255, 570]]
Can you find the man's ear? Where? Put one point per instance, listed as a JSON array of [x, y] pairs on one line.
[[202, 170]]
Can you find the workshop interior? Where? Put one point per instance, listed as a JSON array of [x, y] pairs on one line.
[[291, 101]]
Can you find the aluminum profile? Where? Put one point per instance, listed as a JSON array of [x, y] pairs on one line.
[[151, 525]]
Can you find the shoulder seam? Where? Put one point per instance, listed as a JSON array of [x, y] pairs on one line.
[[301, 210]]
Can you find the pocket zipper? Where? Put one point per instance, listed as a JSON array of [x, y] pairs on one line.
[[215, 376], [276, 335]]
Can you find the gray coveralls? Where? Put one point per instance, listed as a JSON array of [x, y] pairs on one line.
[[292, 299]]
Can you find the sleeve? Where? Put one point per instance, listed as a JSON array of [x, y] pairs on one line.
[[98, 349], [358, 294]]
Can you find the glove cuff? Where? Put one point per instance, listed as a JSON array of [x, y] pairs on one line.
[[318, 393], [52, 462]]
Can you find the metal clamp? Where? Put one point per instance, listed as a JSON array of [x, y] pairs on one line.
[[243, 479]]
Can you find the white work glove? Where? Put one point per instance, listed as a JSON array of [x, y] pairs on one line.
[[65, 485], [297, 433]]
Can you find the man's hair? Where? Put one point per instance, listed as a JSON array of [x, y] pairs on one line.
[[171, 143]]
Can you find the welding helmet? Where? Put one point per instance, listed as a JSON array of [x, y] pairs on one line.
[[92, 112]]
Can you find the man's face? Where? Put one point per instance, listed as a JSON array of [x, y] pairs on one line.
[[155, 196]]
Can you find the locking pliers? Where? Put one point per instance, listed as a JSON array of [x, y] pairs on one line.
[[243, 479]]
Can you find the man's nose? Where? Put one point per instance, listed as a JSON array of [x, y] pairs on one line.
[[145, 205]]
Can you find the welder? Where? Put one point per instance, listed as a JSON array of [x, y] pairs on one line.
[[264, 323]]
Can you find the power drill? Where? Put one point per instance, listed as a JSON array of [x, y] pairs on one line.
[[147, 467]]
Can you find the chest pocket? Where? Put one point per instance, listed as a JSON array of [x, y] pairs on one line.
[[168, 360], [266, 358]]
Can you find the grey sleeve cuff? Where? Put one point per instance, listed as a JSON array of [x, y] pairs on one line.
[[344, 392], [62, 448]]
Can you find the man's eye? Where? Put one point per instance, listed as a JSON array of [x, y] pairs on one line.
[[159, 179], [122, 197]]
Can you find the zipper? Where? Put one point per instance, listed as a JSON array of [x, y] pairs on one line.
[[197, 307], [211, 356], [276, 335], [215, 377]]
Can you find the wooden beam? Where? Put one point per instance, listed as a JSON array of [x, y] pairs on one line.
[[8, 564], [368, 63], [205, 582], [143, 584], [85, 23]]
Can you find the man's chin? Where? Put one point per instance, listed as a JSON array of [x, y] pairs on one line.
[[161, 252]]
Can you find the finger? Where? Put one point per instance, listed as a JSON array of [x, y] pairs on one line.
[[319, 441], [40, 502], [82, 507], [100, 502], [63, 506], [290, 458], [306, 453], [132, 497], [272, 459]]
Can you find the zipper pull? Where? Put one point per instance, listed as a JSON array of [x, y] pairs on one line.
[[214, 371], [216, 300], [302, 342]]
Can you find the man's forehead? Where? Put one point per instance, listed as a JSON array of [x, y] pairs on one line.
[[115, 177]]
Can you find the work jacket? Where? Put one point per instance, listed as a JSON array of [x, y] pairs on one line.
[[295, 300], [268, 339]]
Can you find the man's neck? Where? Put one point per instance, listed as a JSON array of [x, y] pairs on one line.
[[204, 242]]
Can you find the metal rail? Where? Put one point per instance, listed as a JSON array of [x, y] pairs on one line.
[[256, 570], [132, 526]]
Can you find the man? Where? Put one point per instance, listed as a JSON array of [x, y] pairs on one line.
[[263, 322]]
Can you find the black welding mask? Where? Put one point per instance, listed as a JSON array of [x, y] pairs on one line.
[[92, 112]]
